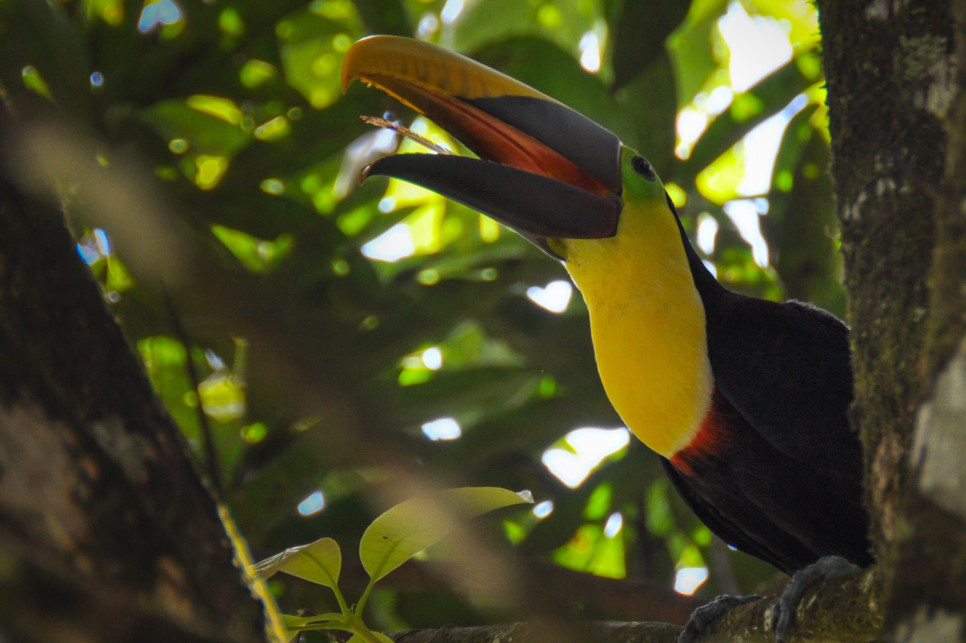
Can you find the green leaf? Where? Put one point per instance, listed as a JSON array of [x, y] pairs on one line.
[[413, 525], [312, 44], [487, 22], [692, 47], [801, 222], [639, 37], [294, 625], [318, 562], [314, 622], [649, 100]]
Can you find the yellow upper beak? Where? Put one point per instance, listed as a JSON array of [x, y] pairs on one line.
[[392, 62]]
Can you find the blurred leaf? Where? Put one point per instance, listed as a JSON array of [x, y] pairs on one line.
[[411, 526], [318, 562], [385, 16], [591, 551], [650, 103], [801, 222], [313, 43], [256, 254], [40, 36], [203, 133], [640, 34], [692, 47], [800, 19], [483, 23]]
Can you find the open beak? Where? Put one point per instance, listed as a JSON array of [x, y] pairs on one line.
[[543, 169]]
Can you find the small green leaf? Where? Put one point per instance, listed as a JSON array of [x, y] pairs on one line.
[[412, 526], [313, 622], [318, 562], [297, 624]]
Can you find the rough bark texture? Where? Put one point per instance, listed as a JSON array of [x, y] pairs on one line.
[[843, 609], [535, 633], [99, 502], [896, 117]]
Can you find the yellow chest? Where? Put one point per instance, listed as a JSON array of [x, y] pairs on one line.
[[648, 327]]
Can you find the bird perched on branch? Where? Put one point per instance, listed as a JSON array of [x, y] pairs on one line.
[[745, 400]]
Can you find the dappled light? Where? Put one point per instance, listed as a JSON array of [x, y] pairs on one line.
[[394, 244], [586, 449], [312, 504], [614, 524], [687, 580], [159, 13], [554, 297], [442, 429], [590, 52], [745, 214], [543, 509], [451, 11], [758, 45]]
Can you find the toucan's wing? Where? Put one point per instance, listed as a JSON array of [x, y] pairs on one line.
[[771, 504], [786, 368], [741, 522], [785, 464]]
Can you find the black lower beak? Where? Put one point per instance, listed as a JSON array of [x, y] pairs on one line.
[[527, 202]]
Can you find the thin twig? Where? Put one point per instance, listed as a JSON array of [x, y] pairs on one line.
[[405, 131]]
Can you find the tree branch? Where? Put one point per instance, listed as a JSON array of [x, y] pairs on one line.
[[550, 589], [611, 632], [97, 491], [846, 608]]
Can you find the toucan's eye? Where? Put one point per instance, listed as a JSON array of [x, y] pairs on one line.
[[643, 167]]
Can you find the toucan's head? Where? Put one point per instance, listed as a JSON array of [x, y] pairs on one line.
[[545, 170]]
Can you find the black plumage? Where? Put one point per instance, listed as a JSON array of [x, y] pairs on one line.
[[776, 470]]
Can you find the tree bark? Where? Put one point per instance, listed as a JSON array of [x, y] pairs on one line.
[[109, 533], [836, 610], [896, 116]]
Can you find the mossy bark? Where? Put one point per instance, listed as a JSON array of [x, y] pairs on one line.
[[897, 115]]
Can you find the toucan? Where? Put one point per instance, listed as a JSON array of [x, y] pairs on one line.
[[744, 400]]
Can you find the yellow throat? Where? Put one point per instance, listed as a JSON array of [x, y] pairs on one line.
[[648, 325]]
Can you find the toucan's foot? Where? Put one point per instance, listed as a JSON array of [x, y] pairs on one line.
[[822, 569], [702, 618]]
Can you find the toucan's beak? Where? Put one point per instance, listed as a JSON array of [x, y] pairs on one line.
[[544, 169]]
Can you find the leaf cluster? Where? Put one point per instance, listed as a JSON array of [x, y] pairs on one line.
[[392, 539]]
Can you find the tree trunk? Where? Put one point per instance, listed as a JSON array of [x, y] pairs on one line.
[[113, 535], [897, 116]]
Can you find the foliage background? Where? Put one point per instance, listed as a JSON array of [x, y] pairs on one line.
[[208, 160]]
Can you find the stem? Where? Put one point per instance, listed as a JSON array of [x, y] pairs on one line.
[[361, 605], [343, 606]]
